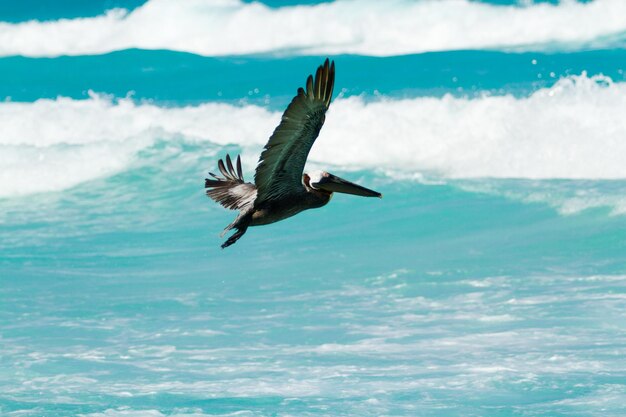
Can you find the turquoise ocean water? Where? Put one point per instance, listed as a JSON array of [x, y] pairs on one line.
[[489, 281]]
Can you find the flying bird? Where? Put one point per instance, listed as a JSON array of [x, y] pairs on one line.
[[280, 188]]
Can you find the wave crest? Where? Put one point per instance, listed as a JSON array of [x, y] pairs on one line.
[[231, 27], [573, 130]]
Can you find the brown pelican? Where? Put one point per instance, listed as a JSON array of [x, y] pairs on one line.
[[280, 188]]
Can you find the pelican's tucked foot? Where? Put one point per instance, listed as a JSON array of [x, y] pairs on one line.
[[235, 237]]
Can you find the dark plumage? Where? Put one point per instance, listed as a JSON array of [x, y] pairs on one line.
[[280, 189]]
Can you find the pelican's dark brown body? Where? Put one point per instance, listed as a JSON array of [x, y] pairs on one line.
[[275, 211], [280, 188]]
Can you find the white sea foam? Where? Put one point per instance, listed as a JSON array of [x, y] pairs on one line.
[[129, 412], [51, 145], [573, 130], [368, 27], [566, 197]]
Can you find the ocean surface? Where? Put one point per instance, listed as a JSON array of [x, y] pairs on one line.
[[489, 281]]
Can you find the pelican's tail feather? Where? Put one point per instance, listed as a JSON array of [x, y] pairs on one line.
[[234, 237], [241, 223]]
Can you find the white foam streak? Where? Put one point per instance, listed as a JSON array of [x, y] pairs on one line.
[[574, 130], [129, 412], [231, 27]]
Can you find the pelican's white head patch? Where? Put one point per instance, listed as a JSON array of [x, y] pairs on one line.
[[316, 176]]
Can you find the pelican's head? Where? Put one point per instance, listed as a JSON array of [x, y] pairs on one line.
[[324, 181]]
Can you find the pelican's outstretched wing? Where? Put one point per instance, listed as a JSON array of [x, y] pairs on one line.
[[231, 191], [282, 162]]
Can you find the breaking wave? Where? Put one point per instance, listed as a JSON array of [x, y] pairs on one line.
[[368, 27], [573, 130]]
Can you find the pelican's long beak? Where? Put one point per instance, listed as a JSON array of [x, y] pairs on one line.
[[334, 184]]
